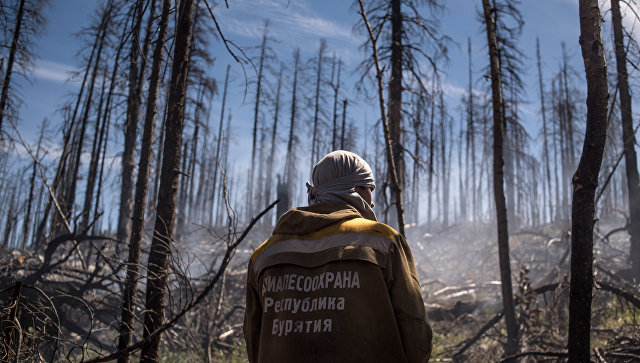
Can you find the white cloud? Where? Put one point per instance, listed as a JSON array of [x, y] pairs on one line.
[[291, 22], [452, 90], [53, 71]]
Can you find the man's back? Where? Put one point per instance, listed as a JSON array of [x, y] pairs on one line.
[[330, 285]]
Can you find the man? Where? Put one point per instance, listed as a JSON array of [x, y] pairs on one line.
[[332, 284]]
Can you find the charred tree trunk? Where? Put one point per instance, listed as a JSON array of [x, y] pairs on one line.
[[432, 157], [69, 199], [628, 139], [27, 218], [103, 145], [219, 145], [316, 110], [193, 157], [498, 180], [470, 141], [182, 193], [256, 115], [545, 145], [462, 192], [12, 56], [556, 130], [336, 92], [222, 201], [508, 152], [8, 226], [160, 146], [567, 129], [106, 123], [415, 182], [261, 161], [285, 203], [395, 98], [142, 184], [344, 121], [131, 126], [201, 204], [568, 109], [93, 164], [158, 264], [274, 133], [585, 182], [443, 163], [389, 147]]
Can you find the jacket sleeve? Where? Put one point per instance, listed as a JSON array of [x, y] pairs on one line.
[[252, 318], [408, 305]]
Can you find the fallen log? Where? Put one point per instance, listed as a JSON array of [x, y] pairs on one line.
[[511, 358], [625, 294]]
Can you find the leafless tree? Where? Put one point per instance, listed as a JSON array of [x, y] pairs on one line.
[[137, 67], [498, 178], [408, 40], [585, 182], [166, 209], [628, 139], [142, 183], [29, 23]]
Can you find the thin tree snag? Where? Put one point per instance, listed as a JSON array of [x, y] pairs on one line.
[[344, 121], [395, 186], [314, 138], [395, 92], [27, 222], [283, 189], [130, 126], [12, 55], [274, 134], [336, 91], [545, 145], [163, 232], [585, 182], [498, 180], [628, 139], [219, 143], [256, 114], [133, 261]]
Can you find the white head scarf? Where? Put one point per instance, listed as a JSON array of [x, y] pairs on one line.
[[335, 178]]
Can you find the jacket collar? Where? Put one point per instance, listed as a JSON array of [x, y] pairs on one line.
[[309, 219]]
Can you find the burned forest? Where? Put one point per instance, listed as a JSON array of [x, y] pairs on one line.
[[149, 147]]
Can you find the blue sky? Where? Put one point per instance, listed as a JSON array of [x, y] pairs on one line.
[[302, 23]]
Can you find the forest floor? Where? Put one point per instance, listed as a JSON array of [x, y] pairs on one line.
[[458, 271], [460, 282]]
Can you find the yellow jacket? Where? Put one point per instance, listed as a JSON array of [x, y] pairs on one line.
[[331, 286]]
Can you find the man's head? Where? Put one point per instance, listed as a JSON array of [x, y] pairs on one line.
[[342, 176]]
